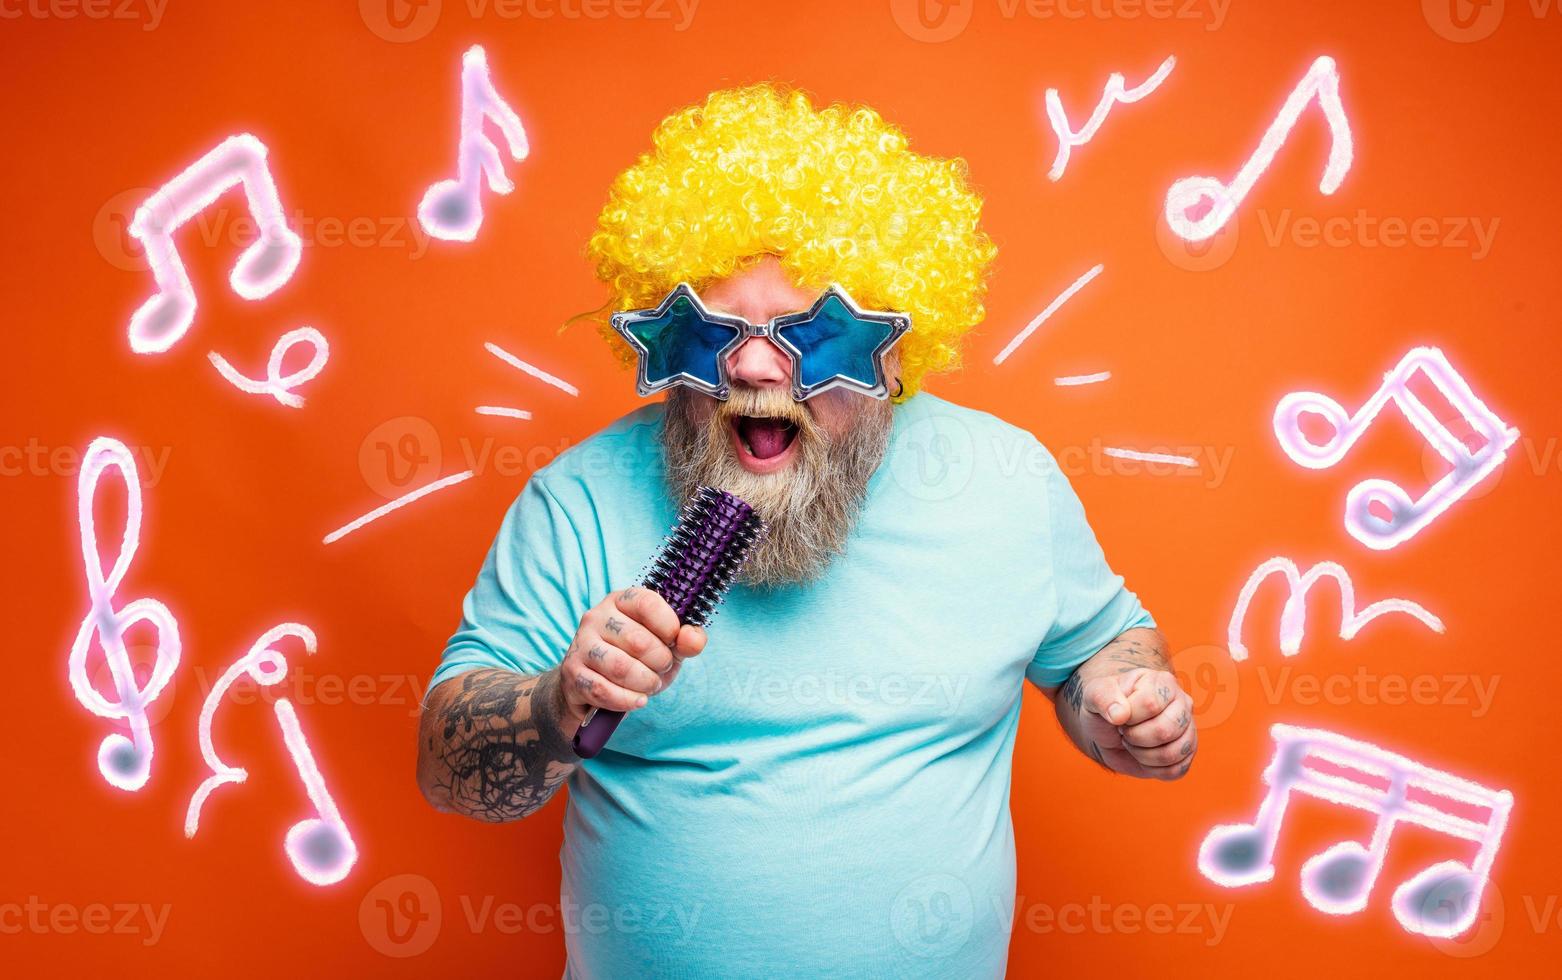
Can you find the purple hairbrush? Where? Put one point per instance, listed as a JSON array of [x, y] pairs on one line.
[[715, 532]]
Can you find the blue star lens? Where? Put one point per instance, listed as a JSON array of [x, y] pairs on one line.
[[836, 344], [682, 342]]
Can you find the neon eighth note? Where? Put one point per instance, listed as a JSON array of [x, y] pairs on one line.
[[1379, 513], [1441, 900], [453, 209], [1198, 207], [126, 763], [1293, 617], [321, 847]]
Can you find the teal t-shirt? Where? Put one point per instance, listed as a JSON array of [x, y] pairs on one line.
[[824, 791]]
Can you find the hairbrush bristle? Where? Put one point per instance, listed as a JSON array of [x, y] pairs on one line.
[[715, 533]]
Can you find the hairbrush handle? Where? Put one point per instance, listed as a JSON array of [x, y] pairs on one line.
[[714, 534]]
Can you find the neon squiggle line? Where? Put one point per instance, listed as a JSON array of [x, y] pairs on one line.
[[1406, 517], [1441, 900], [397, 504], [261, 269], [1052, 308], [321, 848], [1114, 93], [535, 372], [276, 384], [452, 210], [1293, 617], [126, 763], [1322, 82], [1135, 454], [502, 412], [266, 667], [1074, 380]]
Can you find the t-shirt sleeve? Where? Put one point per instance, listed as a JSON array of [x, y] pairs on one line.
[[522, 612], [1092, 605]]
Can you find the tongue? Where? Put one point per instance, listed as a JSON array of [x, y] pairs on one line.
[[766, 437]]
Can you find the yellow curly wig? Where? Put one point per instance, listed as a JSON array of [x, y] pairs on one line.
[[835, 193]]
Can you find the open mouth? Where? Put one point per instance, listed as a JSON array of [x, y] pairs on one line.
[[764, 437]]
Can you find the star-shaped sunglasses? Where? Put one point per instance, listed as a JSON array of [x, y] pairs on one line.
[[834, 344]]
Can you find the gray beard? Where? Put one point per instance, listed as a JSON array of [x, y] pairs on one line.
[[810, 506]]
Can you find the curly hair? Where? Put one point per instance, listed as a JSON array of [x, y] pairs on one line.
[[835, 193]]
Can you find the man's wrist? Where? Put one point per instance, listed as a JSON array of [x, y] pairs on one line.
[[555, 719]]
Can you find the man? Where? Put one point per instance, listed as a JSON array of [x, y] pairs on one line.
[[819, 787]]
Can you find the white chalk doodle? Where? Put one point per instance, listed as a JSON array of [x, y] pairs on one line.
[[1171, 459], [503, 412], [125, 762], [452, 210], [397, 504], [1442, 900], [526, 368], [1379, 513], [1115, 93], [321, 848], [261, 269], [1198, 207], [1046, 314], [1076, 380], [276, 384], [1293, 616]]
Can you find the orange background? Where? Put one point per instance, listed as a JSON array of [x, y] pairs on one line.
[[360, 119]]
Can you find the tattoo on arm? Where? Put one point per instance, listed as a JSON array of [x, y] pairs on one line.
[[1074, 691], [492, 747]]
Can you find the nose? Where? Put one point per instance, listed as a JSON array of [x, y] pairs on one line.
[[758, 362]]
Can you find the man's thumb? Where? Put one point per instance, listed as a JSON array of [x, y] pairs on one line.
[[1108, 702]]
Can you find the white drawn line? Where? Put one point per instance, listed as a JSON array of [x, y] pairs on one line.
[[535, 372], [1071, 380], [503, 412], [1115, 93], [397, 504], [1150, 457], [1063, 297]]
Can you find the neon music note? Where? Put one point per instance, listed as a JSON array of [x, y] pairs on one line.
[[276, 384], [1440, 900], [126, 763], [320, 847], [453, 209], [1401, 517], [1115, 93], [1198, 207], [1293, 617], [262, 268]]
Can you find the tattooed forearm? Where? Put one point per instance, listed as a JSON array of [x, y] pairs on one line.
[[490, 744]]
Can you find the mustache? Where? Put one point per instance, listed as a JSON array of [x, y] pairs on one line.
[[772, 402]]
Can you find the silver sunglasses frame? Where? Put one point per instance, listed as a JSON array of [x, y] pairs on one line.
[[899, 324]]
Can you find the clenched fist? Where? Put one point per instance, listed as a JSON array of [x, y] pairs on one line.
[[627, 649], [1124, 708]]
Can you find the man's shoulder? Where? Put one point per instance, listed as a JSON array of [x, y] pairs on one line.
[[625, 451], [991, 439]]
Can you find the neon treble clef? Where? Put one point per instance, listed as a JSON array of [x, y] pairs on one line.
[[320, 848], [126, 763]]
